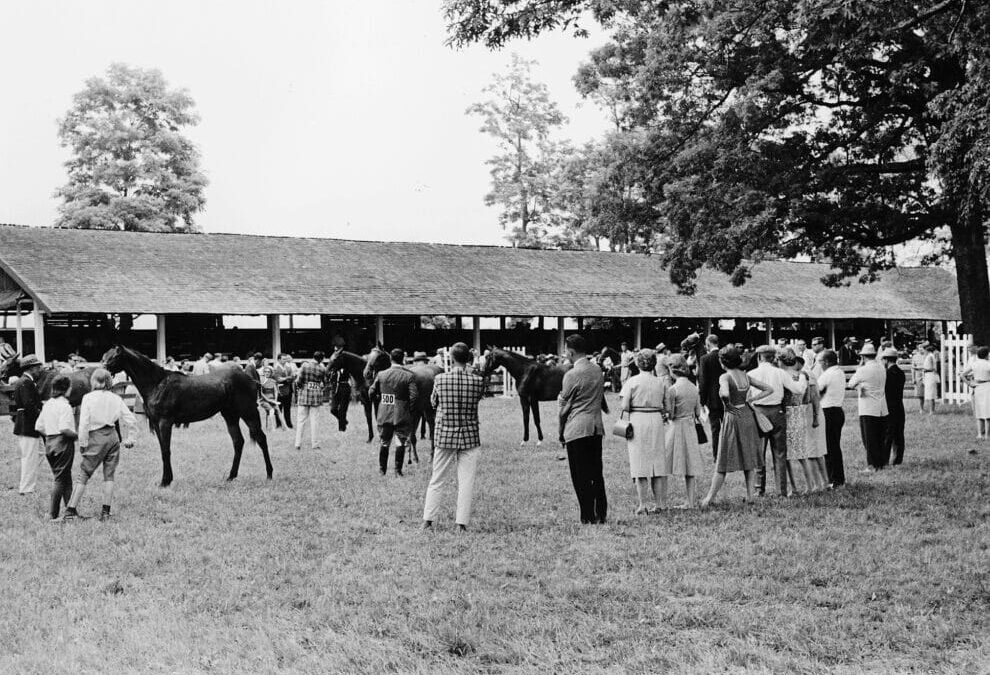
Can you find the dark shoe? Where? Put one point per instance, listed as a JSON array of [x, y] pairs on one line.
[[382, 471], [104, 517], [427, 524], [461, 528]]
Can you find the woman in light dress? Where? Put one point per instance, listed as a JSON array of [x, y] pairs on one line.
[[930, 369], [978, 375], [682, 455], [802, 445], [642, 398]]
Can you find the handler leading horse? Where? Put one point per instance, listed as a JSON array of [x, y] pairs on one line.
[[174, 398]]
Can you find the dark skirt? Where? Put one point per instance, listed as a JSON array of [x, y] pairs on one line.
[[739, 443]]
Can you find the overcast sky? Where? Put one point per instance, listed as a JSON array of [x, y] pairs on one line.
[[332, 118]]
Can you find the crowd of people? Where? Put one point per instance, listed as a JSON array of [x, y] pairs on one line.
[[784, 402]]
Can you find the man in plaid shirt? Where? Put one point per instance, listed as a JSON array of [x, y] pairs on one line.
[[456, 442], [309, 396]]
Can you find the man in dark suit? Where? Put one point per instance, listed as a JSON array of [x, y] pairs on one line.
[[27, 407], [709, 370], [582, 401], [396, 387], [893, 439]]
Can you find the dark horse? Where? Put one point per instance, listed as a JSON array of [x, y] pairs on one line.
[[174, 398], [425, 375], [78, 379], [535, 382], [355, 366]]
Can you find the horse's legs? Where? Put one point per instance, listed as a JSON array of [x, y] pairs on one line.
[[536, 419], [234, 429], [366, 402], [524, 402], [163, 429], [258, 436]]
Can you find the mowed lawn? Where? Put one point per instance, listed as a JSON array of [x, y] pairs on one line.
[[325, 569]]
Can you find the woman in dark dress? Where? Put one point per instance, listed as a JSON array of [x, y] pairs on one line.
[[739, 443]]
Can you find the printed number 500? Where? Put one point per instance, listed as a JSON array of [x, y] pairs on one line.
[[388, 399]]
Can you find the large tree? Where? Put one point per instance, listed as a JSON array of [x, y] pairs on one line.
[[131, 166], [829, 128], [520, 115]]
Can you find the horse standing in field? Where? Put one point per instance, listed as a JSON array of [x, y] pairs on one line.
[[78, 379], [172, 398], [535, 382], [356, 366], [425, 375]]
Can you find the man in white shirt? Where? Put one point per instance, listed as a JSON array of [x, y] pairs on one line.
[[99, 442], [870, 381], [202, 366], [626, 358], [801, 349], [215, 363], [832, 385], [773, 407], [57, 425]]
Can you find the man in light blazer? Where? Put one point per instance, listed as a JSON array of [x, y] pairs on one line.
[[582, 401]]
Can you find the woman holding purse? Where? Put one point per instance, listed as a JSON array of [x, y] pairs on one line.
[[739, 443], [682, 456], [642, 400]]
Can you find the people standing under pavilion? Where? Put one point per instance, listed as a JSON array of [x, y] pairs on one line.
[[309, 383], [202, 365], [870, 381], [285, 375]]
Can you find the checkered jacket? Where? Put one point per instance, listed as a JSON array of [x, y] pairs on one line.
[[455, 396], [309, 384]]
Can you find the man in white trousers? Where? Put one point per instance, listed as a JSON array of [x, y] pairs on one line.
[[456, 395], [27, 407]]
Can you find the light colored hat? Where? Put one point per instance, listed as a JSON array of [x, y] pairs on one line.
[[678, 364], [30, 361], [420, 356], [889, 353], [766, 349], [868, 350]]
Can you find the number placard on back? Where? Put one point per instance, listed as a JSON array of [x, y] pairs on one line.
[[388, 399]]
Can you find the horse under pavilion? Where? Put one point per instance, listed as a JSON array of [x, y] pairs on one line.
[[65, 291]]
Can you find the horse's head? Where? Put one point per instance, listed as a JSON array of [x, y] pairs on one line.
[[113, 359], [378, 360], [10, 367], [488, 362]]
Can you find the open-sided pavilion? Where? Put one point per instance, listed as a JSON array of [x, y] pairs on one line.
[[83, 288]]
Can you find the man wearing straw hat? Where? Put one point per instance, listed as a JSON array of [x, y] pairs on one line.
[[870, 382], [27, 408]]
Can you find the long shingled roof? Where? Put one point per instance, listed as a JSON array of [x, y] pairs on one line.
[[111, 271]]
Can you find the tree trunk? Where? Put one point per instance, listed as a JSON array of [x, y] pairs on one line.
[[969, 250]]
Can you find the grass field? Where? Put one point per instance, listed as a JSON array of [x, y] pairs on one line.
[[325, 568]]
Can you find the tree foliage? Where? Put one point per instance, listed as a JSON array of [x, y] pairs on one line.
[[827, 128], [131, 166]]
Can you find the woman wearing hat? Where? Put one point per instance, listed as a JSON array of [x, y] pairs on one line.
[[978, 375], [682, 456], [642, 398]]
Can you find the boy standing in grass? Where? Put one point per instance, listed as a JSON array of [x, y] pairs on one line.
[[99, 442], [58, 427]]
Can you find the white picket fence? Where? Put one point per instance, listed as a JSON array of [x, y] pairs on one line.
[[953, 360]]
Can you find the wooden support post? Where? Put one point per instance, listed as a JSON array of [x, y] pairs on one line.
[[275, 331], [709, 323], [539, 324], [501, 323], [561, 345], [638, 337], [380, 330], [39, 334], [160, 339], [831, 335], [770, 332], [580, 321], [20, 331], [476, 333]]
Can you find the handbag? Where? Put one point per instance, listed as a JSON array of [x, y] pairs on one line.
[[763, 423], [623, 428], [699, 429]]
